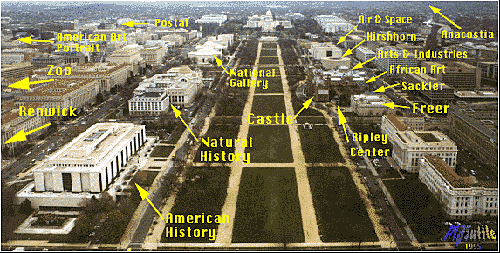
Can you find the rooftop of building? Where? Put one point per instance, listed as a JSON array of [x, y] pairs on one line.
[[477, 124], [150, 94], [13, 113], [408, 46], [421, 77], [453, 178], [90, 68], [365, 50], [425, 138], [125, 52], [184, 69], [59, 87], [452, 64], [476, 94], [90, 147], [395, 121], [488, 63], [16, 66], [50, 56], [354, 37], [150, 49], [170, 78], [324, 44], [20, 50], [371, 99], [491, 46]]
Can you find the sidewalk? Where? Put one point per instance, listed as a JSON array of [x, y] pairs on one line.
[[363, 191], [144, 205], [152, 240], [309, 221], [387, 194], [225, 231]]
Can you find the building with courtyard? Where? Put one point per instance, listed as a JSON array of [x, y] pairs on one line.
[[107, 74], [462, 197], [180, 85], [410, 146]]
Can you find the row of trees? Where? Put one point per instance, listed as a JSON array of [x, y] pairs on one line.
[[105, 218], [288, 52], [248, 52]]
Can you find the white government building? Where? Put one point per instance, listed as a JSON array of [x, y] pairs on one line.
[[325, 49], [364, 54], [369, 105], [332, 24], [148, 103], [267, 22], [212, 19], [410, 146], [85, 167], [462, 197], [386, 62], [178, 87]]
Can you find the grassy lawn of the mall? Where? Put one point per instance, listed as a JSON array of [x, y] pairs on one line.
[[269, 45], [318, 145], [268, 52], [274, 85], [268, 208], [340, 211], [270, 144], [268, 106], [203, 192], [215, 132], [162, 151], [421, 209], [268, 60]]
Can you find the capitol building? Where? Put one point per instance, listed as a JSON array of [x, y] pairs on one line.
[[267, 22]]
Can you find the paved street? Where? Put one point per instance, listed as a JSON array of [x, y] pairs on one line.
[[66, 132]]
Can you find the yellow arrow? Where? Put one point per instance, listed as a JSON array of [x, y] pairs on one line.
[[144, 195], [375, 77], [342, 39], [28, 40], [360, 65], [21, 135], [382, 88], [178, 115], [349, 51], [436, 10], [306, 105], [342, 122], [219, 63], [25, 83], [392, 105], [131, 24]]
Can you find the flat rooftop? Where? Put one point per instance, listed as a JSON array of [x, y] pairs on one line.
[[91, 147], [425, 139], [453, 178], [395, 121], [476, 94], [152, 94]]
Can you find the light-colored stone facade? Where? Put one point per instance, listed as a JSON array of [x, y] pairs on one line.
[[462, 197], [84, 167]]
